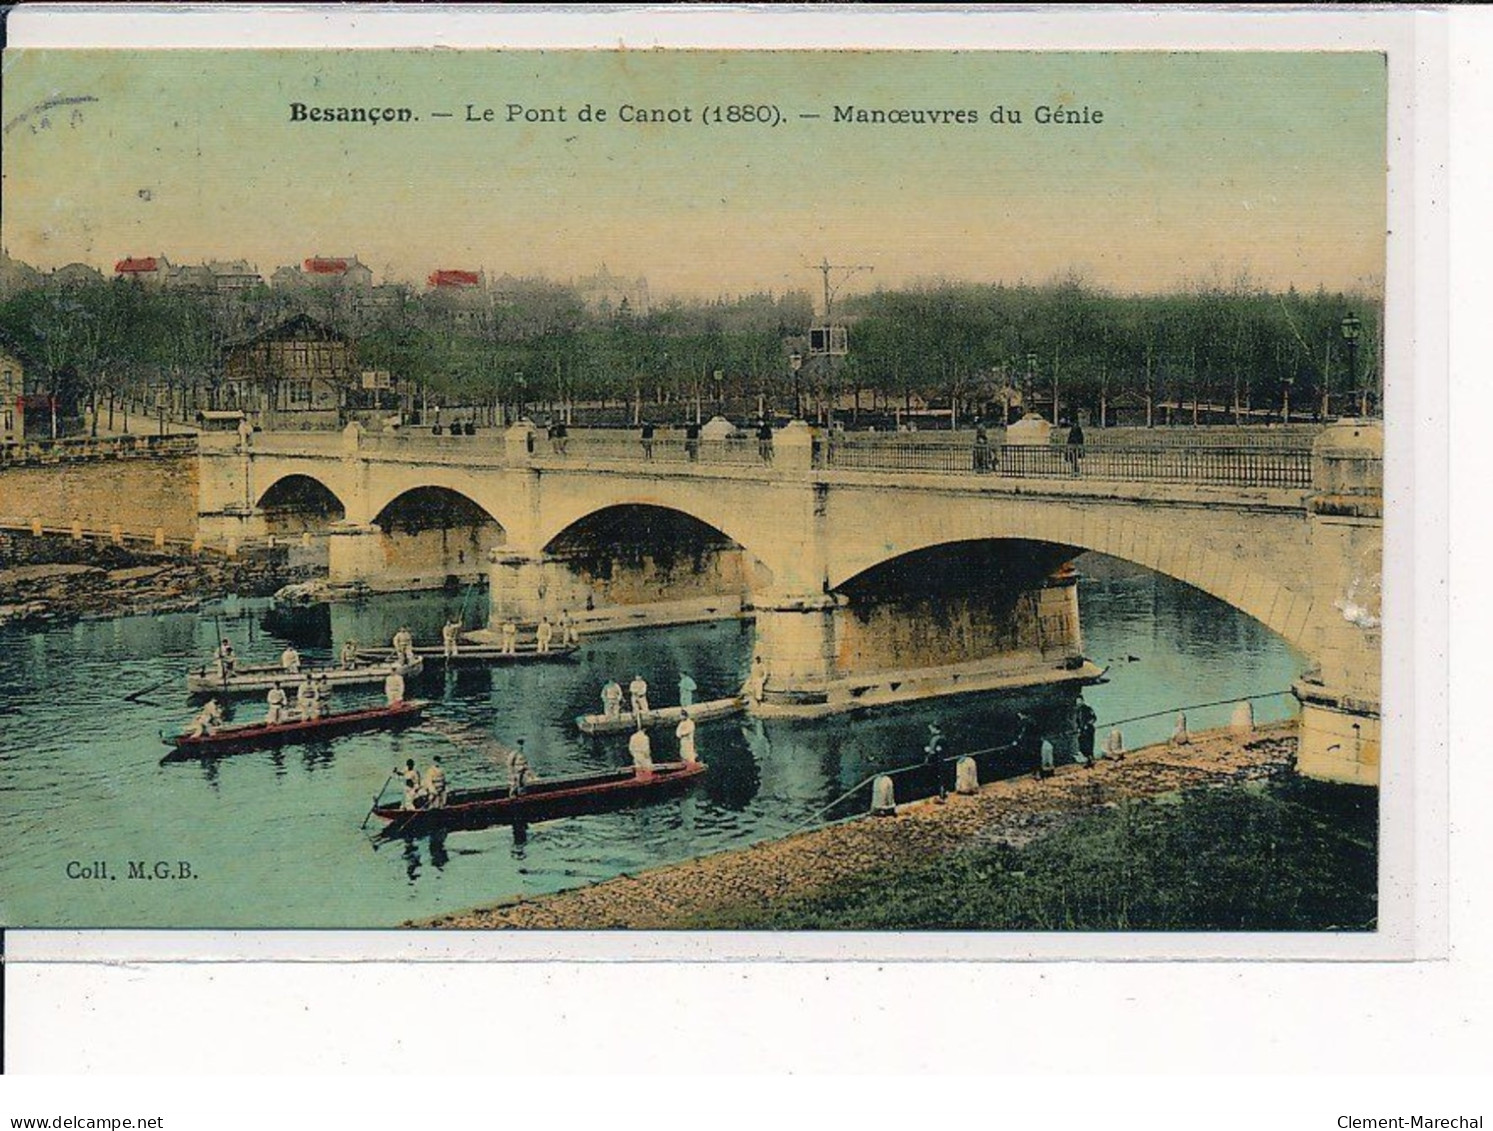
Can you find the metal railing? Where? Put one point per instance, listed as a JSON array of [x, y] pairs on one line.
[[629, 447], [1240, 467]]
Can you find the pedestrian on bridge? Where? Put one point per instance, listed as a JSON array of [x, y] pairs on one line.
[[982, 448], [1075, 447], [764, 441], [646, 435]]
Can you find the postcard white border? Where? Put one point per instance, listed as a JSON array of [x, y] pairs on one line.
[[1413, 886]]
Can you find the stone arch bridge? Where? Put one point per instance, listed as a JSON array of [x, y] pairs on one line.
[[813, 542]]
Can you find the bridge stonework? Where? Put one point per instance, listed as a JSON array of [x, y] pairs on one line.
[[1303, 560]]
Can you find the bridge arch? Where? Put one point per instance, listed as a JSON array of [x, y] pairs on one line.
[[296, 502], [430, 532], [1221, 571], [642, 551], [566, 512]]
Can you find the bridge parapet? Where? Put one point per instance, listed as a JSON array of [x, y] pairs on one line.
[[1340, 699]]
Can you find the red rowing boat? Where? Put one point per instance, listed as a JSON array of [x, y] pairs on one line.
[[542, 800], [262, 736]]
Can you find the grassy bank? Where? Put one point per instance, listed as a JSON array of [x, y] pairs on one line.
[[1283, 855]]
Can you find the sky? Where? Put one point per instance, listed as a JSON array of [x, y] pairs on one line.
[[1205, 167]]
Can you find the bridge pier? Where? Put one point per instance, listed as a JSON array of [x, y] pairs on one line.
[[1340, 698], [355, 552], [232, 525], [825, 653], [522, 587]]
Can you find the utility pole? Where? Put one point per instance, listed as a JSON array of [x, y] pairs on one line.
[[824, 268]]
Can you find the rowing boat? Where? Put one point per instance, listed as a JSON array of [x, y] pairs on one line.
[[541, 800], [478, 655], [660, 716], [207, 680], [263, 735]]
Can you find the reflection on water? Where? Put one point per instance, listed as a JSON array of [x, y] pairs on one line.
[[274, 837]]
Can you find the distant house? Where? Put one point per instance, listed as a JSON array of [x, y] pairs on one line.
[[12, 398], [605, 293], [75, 275], [233, 275], [149, 270], [452, 279], [16, 276], [460, 295], [326, 271], [299, 374], [194, 277]]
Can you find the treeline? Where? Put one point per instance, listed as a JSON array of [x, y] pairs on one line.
[[982, 349]]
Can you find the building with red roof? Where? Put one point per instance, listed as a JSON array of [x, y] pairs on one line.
[[144, 269], [453, 278]]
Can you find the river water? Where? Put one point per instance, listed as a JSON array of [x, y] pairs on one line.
[[273, 839]]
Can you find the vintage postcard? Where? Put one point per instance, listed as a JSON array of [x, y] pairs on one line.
[[697, 489]]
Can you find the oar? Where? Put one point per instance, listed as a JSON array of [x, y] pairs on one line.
[[135, 697], [376, 796]]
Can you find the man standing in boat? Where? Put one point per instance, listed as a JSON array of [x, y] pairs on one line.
[[305, 698], [638, 689], [411, 780], [349, 654], [543, 634], [227, 661], [435, 784], [208, 719], [611, 699], [290, 659], [510, 638], [685, 732], [404, 646], [276, 701], [569, 637], [687, 689], [518, 770], [641, 750], [450, 635], [394, 689]]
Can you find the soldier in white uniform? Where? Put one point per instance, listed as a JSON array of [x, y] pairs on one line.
[[435, 784], [208, 719], [450, 637], [349, 655], [641, 750], [518, 770], [543, 634], [276, 701], [611, 699], [638, 689], [685, 732], [290, 659], [394, 688], [305, 698], [404, 645], [510, 638]]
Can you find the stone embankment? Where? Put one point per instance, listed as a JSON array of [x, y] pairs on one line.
[[55, 579], [1015, 811]]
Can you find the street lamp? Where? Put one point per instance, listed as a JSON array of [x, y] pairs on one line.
[[795, 363], [1351, 328]]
